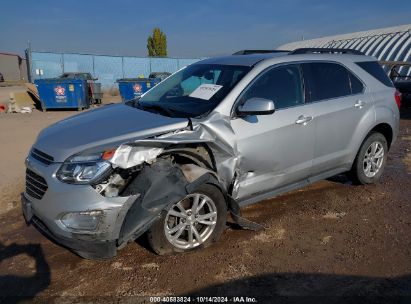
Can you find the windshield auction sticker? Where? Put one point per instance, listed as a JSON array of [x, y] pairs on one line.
[[205, 91]]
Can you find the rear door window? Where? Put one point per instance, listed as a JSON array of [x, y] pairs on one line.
[[325, 80]]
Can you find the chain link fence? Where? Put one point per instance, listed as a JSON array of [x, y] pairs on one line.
[[106, 68]]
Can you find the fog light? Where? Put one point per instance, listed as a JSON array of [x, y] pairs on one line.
[[86, 220]]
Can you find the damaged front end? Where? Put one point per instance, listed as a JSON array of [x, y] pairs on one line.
[[118, 192], [156, 185], [162, 170]]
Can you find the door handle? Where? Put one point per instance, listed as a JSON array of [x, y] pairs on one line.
[[359, 104], [303, 120]]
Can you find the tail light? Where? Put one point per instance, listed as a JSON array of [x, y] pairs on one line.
[[397, 96]]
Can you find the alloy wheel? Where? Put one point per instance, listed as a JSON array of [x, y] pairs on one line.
[[373, 159], [191, 221]]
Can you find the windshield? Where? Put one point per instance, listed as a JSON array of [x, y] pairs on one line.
[[193, 91]]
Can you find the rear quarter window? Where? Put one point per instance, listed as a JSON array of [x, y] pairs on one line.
[[374, 69], [357, 86]]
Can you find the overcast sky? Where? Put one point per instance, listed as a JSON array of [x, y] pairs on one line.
[[193, 28]]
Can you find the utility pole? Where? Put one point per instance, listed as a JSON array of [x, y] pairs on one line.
[[28, 61]]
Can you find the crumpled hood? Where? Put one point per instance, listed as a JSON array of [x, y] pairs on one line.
[[108, 125]]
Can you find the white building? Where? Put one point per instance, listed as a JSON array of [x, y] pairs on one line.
[[386, 44]]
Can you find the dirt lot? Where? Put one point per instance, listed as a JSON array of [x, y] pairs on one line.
[[329, 239]]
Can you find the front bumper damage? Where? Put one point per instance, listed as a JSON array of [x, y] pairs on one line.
[[159, 183], [156, 188], [85, 246]]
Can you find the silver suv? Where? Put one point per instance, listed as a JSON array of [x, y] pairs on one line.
[[219, 134]]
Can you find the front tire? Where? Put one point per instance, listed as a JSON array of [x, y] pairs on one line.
[[196, 221], [370, 160]]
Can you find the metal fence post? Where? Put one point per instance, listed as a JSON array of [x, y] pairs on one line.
[[62, 63], [122, 66], [28, 63], [94, 72]]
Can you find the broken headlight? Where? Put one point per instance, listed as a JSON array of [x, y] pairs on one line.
[[85, 168], [86, 220]]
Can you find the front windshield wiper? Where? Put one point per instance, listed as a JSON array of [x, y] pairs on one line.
[[159, 109], [156, 108], [133, 102]]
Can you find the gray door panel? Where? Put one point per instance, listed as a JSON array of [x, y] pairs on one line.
[[336, 122], [339, 105], [275, 150]]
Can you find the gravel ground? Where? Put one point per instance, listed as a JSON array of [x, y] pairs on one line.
[[329, 239]]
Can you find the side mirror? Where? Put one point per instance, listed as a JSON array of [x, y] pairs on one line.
[[256, 106]]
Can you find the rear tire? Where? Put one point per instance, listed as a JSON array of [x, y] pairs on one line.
[[182, 217], [370, 160]]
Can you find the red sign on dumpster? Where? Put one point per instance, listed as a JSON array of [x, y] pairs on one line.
[[60, 94], [137, 88], [59, 90]]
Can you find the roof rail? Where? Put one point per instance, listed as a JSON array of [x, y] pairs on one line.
[[325, 51], [248, 52]]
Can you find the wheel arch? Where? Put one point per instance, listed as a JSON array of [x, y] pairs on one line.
[[386, 130], [198, 154], [179, 170], [383, 128]]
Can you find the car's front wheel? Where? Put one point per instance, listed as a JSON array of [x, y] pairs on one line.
[[194, 222], [371, 159]]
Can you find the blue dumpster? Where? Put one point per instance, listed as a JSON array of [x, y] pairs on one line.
[[60, 93], [131, 88]]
